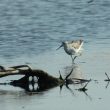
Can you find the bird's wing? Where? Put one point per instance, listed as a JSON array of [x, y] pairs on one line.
[[77, 44]]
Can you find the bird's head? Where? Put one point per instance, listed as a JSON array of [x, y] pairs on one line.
[[62, 44]]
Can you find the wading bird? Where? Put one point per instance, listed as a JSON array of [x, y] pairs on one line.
[[72, 48]]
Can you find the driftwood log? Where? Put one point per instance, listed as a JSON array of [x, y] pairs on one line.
[[35, 80]]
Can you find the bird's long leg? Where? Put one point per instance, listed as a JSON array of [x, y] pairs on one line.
[[73, 58]]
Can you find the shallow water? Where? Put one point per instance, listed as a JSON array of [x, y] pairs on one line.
[[30, 32]]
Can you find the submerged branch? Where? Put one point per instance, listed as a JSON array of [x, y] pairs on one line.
[[43, 79], [84, 88]]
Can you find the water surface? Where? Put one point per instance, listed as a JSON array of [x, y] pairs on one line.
[[30, 32]]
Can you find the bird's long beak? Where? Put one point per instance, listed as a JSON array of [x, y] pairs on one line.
[[59, 46]]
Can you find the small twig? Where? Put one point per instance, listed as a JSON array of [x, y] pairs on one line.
[[70, 89], [69, 74], [87, 95], [84, 88], [86, 84], [107, 84], [108, 79], [82, 80], [61, 86], [60, 76]]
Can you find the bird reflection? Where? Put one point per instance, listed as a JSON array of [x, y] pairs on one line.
[[77, 76]]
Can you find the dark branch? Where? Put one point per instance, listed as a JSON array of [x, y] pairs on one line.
[[69, 74], [60, 76], [84, 88]]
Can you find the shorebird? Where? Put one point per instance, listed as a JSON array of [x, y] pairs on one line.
[[72, 48]]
